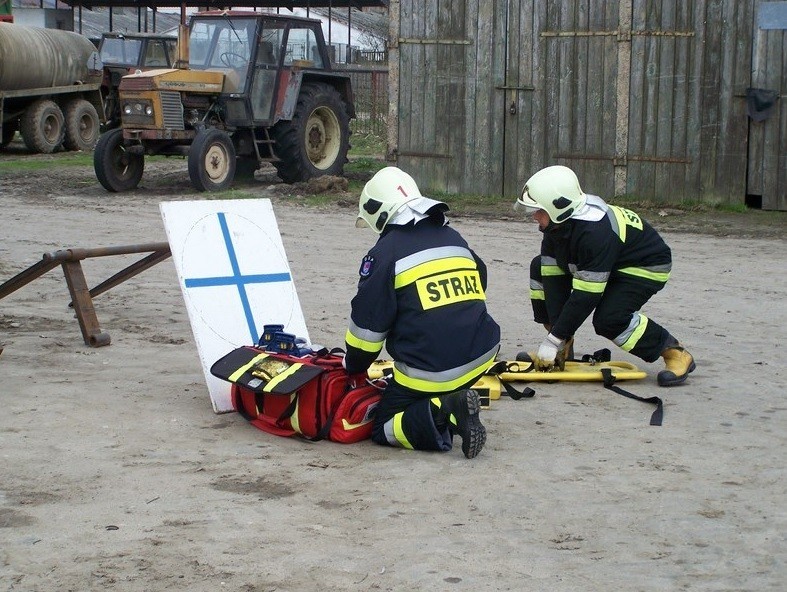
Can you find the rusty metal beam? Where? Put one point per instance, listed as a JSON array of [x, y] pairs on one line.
[[25, 277], [129, 272], [83, 305], [82, 297], [79, 254]]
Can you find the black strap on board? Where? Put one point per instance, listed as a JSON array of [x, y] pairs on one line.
[[503, 366], [609, 383], [526, 393]]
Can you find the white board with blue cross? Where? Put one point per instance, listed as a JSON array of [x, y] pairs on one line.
[[234, 276]]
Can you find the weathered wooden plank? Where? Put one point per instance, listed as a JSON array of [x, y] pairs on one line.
[[483, 170], [774, 194], [427, 82], [709, 95], [406, 77], [450, 118], [516, 102], [730, 140], [474, 154], [637, 105], [663, 185]]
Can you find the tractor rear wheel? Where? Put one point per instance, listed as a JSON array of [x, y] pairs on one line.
[[116, 168], [316, 140]]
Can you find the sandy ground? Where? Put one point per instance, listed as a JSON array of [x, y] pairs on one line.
[[115, 474]]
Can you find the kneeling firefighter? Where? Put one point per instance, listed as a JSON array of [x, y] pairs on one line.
[[421, 293], [601, 259]]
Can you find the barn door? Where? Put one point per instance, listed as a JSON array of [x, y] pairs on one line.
[[560, 91], [516, 93], [766, 184]]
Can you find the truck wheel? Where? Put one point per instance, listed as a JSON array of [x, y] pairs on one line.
[[117, 169], [212, 160], [9, 129], [316, 140], [82, 125], [43, 126]]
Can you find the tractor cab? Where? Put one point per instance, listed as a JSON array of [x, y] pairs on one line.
[[258, 88], [259, 57], [138, 50], [125, 53]]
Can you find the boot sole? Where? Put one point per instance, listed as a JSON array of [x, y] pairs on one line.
[[474, 436]]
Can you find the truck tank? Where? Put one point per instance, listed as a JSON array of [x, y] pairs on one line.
[[33, 57]]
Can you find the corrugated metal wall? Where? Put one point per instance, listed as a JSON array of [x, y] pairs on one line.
[[639, 97]]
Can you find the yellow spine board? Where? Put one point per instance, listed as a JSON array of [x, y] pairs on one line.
[[574, 372], [488, 387]]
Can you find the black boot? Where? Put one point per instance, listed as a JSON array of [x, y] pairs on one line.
[[460, 410]]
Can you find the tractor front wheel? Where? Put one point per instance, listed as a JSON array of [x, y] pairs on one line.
[[212, 160], [116, 168]]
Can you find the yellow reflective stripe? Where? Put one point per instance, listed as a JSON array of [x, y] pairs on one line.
[[537, 295], [240, 371], [399, 432], [592, 287], [625, 218], [279, 377], [346, 425], [430, 268], [656, 276], [621, 223], [296, 426], [428, 386], [551, 270], [636, 335], [369, 346]]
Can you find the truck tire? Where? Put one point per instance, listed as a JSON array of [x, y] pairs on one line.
[[82, 125], [116, 168], [43, 126], [9, 130], [316, 140], [212, 160]]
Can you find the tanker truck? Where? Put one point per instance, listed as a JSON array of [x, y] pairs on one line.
[[50, 88]]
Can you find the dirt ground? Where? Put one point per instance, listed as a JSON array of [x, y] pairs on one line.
[[117, 475]]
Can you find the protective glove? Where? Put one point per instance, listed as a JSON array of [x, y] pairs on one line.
[[548, 353]]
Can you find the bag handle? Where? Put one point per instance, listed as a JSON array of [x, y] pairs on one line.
[[262, 422]]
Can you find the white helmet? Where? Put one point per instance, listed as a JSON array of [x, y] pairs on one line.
[[383, 196], [555, 190]]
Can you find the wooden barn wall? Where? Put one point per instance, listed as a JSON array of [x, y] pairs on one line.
[[767, 179], [446, 73], [576, 81], [640, 97]]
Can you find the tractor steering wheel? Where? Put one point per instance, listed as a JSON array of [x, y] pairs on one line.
[[229, 59]]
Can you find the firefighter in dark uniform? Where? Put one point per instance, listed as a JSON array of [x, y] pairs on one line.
[[600, 259], [421, 293]]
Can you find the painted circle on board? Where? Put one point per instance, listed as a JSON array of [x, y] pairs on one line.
[[239, 264]]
